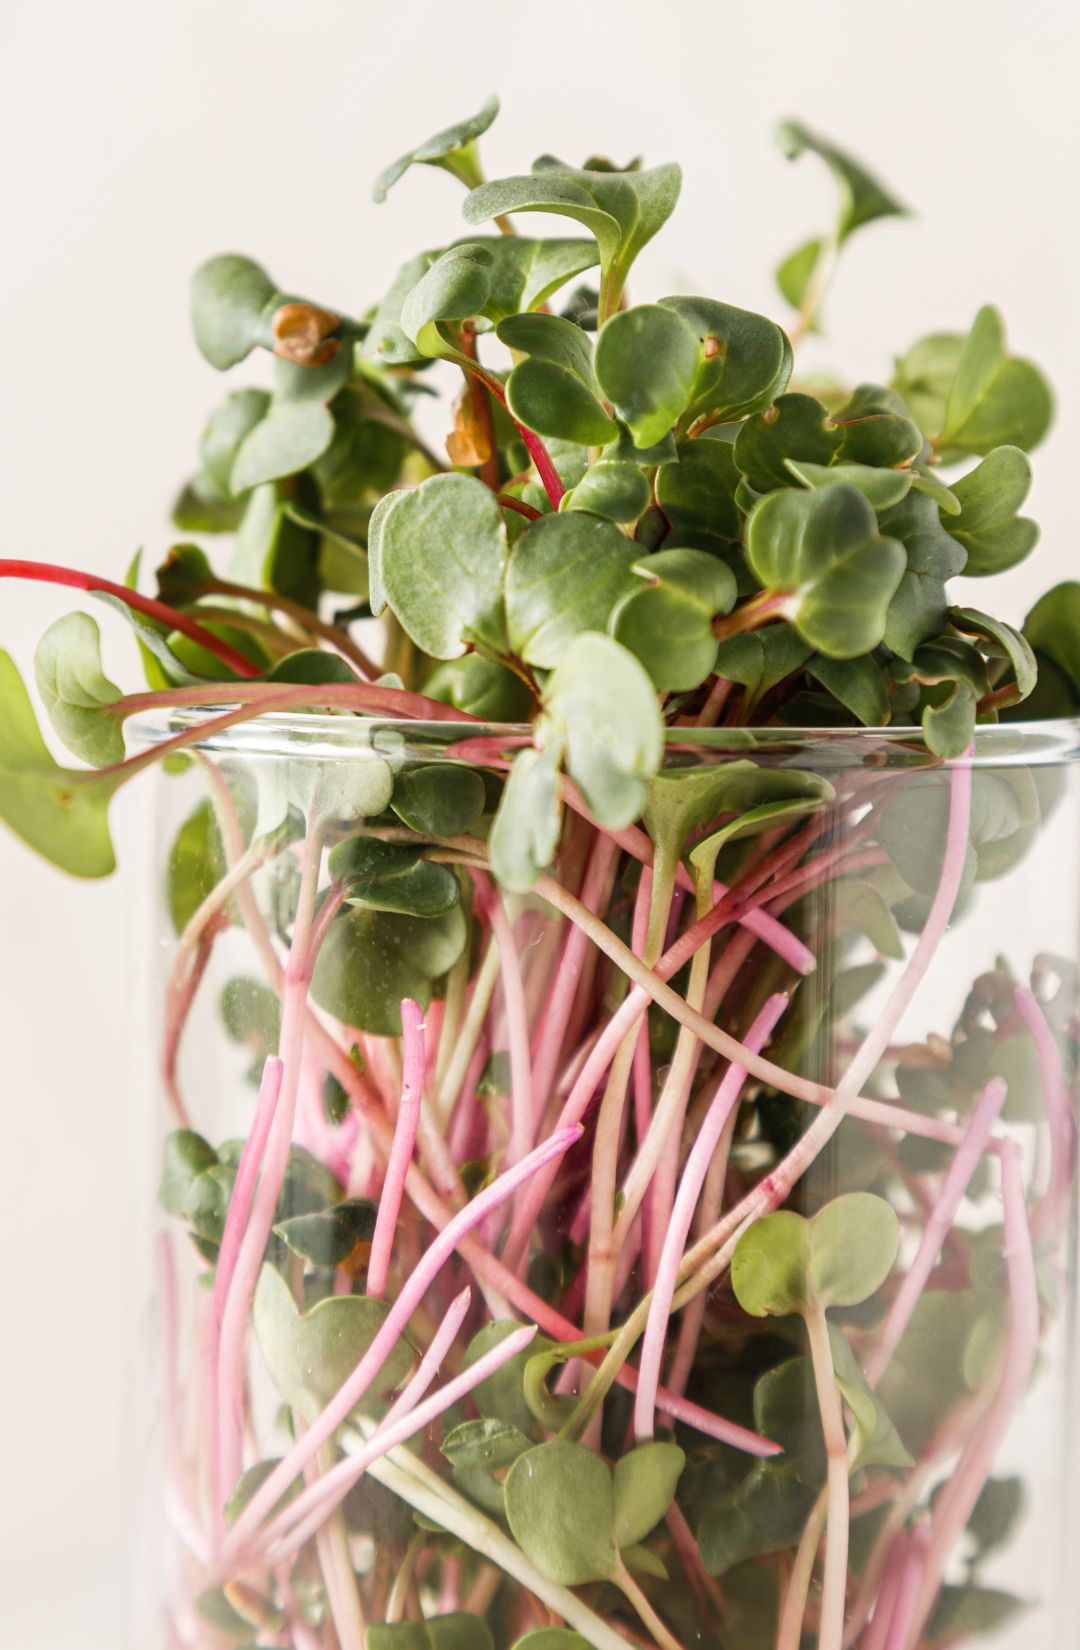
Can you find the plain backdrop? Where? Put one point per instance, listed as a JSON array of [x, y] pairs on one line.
[[136, 139]]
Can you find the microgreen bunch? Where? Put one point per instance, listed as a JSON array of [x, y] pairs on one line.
[[558, 940]]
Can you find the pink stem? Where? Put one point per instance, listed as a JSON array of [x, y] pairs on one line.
[[47, 573], [1050, 1213], [885, 1605], [359, 696], [408, 1117], [545, 469], [956, 1502], [852, 1103], [236, 1303], [407, 1399], [548, 1041], [641, 1071], [697, 1167], [353, 1389], [761, 923], [907, 1589], [523, 1118], [236, 1221], [774, 1188], [954, 1186], [335, 1484]]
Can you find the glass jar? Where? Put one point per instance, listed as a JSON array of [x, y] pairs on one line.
[[681, 1253]]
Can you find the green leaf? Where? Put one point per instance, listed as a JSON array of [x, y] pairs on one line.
[[993, 535], [948, 727], [744, 360], [484, 1445], [481, 687], [439, 799], [273, 551], [769, 1269], [993, 399], [796, 427], [230, 296], [765, 1514], [862, 198], [197, 509], [924, 1378], [330, 1236], [370, 960], [501, 1395], [645, 1484], [646, 362], [393, 876], [186, 1156], [290, 437], [560, 1505], [458, 1631], [613, 489], [525, 833], [251, 1015], [551, 1638], [387, 341], [796, 271], [852, 1246], [248, 1485], [623, 210], [224, 432], [860, 905], [454, 289], [824, 551], [1000, 1504], [882, 488], [297, 428], [786, 1410], [78, 696], [944, 497], [275, 1317], [311, 666], [61, 813], [525, 273], [214, 1608], [913, 823], [919, 608], [549, 338], [1053, 629], [441, 551], [877, 1442], [681, 801], [875, 429], [452, 149], [604, 704], [564, 577], [554, 401], [964, 1613], [493, 277], [760, 660], [667, 623], [858, 684], [330, 1340], [697, 495]]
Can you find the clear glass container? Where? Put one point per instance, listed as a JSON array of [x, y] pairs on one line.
[[493, 1296]]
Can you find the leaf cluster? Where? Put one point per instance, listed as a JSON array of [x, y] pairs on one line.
[[640, 504]]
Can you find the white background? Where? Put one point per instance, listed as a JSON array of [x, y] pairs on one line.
[[135, 139]]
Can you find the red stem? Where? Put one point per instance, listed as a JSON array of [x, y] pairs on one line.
[[508, 502], [544, 466], [44, 572], [537, 451]]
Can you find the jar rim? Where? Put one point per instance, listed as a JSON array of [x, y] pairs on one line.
[[322, 735]]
